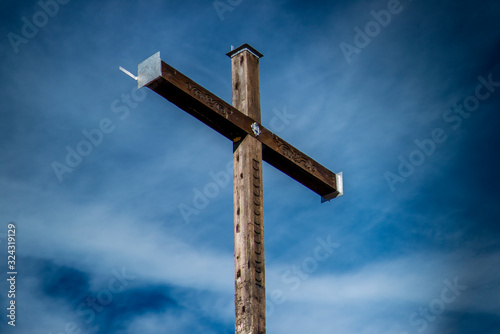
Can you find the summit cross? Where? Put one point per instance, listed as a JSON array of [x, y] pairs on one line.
[[252, 143]]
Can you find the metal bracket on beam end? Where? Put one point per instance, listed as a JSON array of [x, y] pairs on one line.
[[149, 70], [340, 189]]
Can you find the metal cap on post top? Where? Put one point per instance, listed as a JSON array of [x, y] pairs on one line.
[[244, 47]]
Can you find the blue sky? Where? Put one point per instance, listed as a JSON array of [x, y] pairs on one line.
[[402, 97]]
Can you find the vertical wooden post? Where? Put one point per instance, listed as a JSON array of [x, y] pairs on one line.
[[250, 294]]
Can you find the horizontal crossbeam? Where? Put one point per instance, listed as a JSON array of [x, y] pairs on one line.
[[234, 125]]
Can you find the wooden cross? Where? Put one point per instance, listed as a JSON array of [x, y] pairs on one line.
[[252, 143]]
